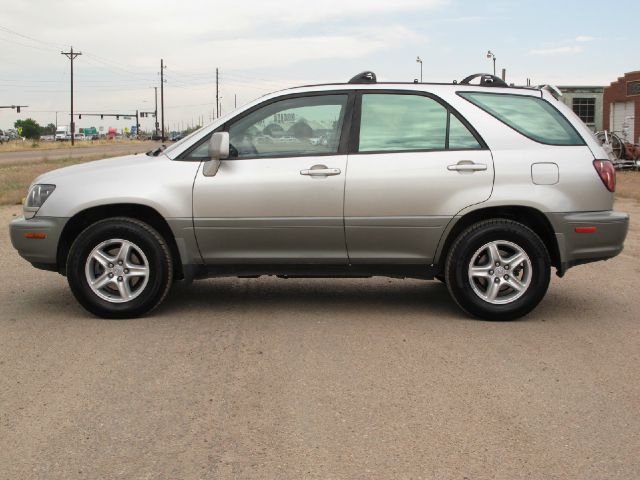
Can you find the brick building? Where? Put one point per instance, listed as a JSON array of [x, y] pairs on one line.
[[621, 107]]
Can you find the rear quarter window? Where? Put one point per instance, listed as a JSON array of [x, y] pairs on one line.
[[533, 117]]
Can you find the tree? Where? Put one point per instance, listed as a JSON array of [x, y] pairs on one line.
[[28, 128], [48, 130]]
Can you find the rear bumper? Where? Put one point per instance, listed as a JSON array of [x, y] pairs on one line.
[[41, 252], [576, 248]]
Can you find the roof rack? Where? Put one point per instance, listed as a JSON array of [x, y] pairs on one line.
[[364, 77], [486, 80]]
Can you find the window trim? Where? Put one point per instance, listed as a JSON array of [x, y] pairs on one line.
[[354, 143], [518, 131], [344, 133]]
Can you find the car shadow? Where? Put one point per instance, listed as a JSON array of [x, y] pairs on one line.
[[330, 298], [378, 297]]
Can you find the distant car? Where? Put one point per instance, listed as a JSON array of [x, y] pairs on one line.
[[484, 187], [177, 137], [3, 137]]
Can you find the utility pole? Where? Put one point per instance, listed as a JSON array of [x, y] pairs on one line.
[[137, 125], [71, 55], [217, 96], [162, 67], [235, 101], [155, 114]]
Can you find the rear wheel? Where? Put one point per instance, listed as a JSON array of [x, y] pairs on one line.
[[498, 270], [119, 268]]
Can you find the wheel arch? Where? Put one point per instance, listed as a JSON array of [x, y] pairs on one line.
[[81, 220], [529, 216]]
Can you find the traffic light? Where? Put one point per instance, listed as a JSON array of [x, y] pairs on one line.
[[101, 117], [79, 116], [18, 108], [117, 117]]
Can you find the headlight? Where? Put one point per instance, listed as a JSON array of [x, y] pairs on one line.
[[37, 195]]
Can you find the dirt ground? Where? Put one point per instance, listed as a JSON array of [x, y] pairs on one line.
[[277, 379]]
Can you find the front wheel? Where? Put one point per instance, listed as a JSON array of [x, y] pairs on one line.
[[498, 270], [119, 268]]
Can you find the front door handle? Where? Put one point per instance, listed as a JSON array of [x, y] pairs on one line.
[[320, 171], [467, 166]]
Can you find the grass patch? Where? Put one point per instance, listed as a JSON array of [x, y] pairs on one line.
[[19, 145], [16, 178]]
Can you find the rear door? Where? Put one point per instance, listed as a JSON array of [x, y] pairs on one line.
[[415, 164]]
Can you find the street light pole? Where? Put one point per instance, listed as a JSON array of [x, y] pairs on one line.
[[491, 55], [419, 60]]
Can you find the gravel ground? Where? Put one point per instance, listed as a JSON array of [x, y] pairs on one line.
[[276, 379]]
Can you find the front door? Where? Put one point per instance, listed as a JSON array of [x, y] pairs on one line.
[[415, 166], [279, 197]]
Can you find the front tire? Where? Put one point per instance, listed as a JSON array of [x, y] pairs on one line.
[[119, 268], [498, 269]]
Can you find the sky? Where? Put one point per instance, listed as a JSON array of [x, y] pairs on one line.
[[262, 46]]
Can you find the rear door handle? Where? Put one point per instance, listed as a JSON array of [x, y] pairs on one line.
[[465, 166], [321, 171]]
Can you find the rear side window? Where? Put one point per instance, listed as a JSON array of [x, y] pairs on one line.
[[404, 123], [532, 117]]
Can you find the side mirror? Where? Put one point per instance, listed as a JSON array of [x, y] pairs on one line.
[[218, 150]]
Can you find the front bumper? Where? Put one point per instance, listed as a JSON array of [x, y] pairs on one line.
[[576, 248], [41, 252]]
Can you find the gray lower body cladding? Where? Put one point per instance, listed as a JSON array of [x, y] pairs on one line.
[[41, 252], [577, 247]]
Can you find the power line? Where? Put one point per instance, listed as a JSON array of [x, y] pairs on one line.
[[13, 32]]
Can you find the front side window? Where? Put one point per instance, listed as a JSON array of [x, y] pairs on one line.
[[533, 117], [291, 127], [404, 123]]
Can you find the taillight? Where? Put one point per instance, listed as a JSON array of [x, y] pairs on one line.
[[607, 173]]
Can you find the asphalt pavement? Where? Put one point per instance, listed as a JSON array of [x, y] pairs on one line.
[[322, 379]]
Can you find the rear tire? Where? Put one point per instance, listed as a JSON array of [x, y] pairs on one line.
[[498, 269], [119, 268]]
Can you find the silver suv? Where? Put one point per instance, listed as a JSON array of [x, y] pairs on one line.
[[482, 186]]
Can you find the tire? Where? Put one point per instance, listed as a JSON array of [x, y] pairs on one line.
[[118, 291], [486, 278]]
